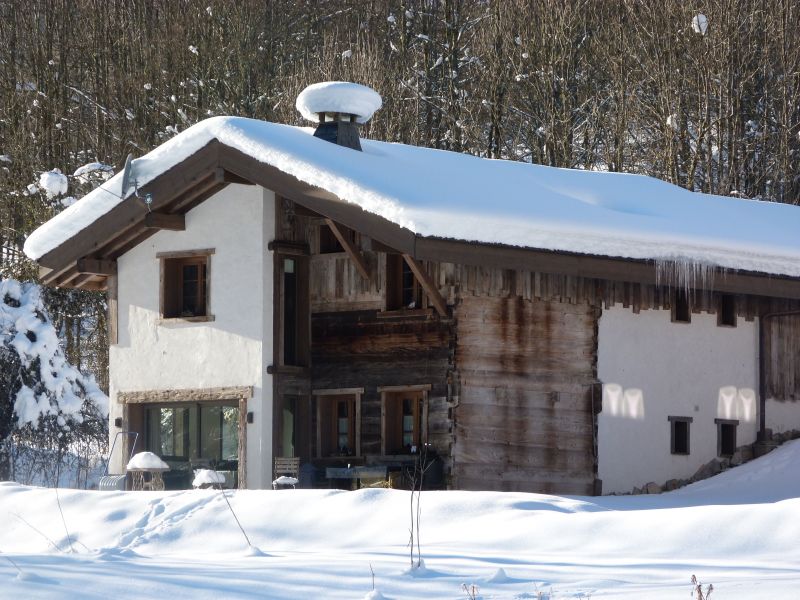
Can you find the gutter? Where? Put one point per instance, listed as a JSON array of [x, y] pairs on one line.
[[762, 369]]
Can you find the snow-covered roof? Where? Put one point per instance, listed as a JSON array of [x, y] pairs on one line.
[[450, 195]]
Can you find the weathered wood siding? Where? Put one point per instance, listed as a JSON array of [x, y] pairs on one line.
[[366, 349], [782, 353], [524, 419]]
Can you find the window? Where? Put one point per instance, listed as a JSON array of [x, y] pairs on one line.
[[681, 312], [404, 412], [402, 288], [291, 305], [195, 431], [726, 312], [679, 434], [338, 422], [185, 285], [289, 311], [726, 436], [328, 242]]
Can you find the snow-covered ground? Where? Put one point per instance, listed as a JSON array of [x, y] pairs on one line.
[[738, 531]]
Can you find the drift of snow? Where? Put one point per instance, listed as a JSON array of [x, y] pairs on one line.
[[207, 477], [94, 170], [533, 206], [285, 480], [700, 23], [338, 96], [54, 183], [738, 530], [146, 460], [53, 387]]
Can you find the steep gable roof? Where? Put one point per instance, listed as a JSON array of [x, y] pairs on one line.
[[415, 194]]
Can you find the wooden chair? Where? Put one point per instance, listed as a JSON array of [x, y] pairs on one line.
[[286, 466]]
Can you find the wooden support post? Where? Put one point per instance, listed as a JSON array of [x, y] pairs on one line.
[[156, 220], [427, 284], [353, 252], [112, 307]]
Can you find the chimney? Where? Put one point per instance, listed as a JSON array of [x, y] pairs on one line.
[[338, 107], [339, 128]]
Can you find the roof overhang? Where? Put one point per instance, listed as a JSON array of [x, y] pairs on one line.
[[88, 259]]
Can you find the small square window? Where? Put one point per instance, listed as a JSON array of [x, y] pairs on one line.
[[679, 434], [726, 437], [726, 311], [328, 242], [184, 281], [681, 311]]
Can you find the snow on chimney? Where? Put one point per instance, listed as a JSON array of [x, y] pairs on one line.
[[338, 107]]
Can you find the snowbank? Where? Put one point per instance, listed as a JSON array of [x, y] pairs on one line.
[[325, 543], [207, 477]]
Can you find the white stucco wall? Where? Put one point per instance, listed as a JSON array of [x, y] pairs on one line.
[[652, 368], [237, 223]]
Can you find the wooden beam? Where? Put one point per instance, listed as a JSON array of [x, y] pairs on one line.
[[82, 279], [427, 284], [96, 266], [233, 178], [159, 220], [353, 252], [217, 394]]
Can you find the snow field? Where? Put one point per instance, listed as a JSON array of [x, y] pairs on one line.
[[738, 531]]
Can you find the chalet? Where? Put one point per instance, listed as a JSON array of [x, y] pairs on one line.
[[276, 291]]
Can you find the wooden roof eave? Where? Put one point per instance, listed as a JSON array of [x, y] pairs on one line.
[[592, 266], [201, 175], [316, 199], [175, 191]]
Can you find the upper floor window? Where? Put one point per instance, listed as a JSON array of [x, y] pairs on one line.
[[402, 288], [328, 242], [185, 284], [290, 304]]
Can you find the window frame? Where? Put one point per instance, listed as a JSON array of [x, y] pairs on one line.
[[183, 258], [325, 431], [721, 424], [386, 393], [673, 437]]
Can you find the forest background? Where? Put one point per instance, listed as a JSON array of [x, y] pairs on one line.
[[702, 94]]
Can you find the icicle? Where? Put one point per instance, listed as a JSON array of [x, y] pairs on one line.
[[685, 273]]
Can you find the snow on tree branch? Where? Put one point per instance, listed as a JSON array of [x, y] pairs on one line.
[[46, 387]]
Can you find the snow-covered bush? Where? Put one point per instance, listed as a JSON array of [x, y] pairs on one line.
[[45, 403]]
